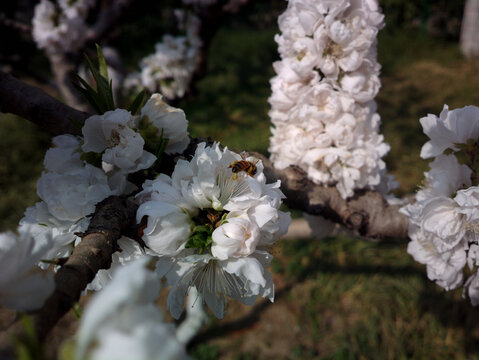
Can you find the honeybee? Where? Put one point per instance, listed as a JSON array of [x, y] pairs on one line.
[[248, 167]]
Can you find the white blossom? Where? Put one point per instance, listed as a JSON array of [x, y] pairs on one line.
[[73, 195], [444, 220], [168, 227], [195, 318], [242, 279], [472, 285], [64, 155], [22, 287], [76, 8], [60, 29], [209, 224], [57, 236], [170, 121], [170, 68], [113, 135], [436, 213], [122, 321], [237, 237], [322, 106], [443, 267], [129, 250], [450, 128]]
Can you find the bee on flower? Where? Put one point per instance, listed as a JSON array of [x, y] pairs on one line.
[[210, 226]]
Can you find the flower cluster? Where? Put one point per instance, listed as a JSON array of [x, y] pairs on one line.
[[82, 171], [60, 26], [170, 69], [122, 321], [444, 220], [211, 223], [322, 106], [208, 225]]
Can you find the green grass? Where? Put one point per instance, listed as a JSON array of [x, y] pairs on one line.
[[231, 106], [352, 299], [419, 76], [22, 147], [371, 301]]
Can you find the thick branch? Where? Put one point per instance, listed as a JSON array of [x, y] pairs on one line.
[[112, 218], [108, 17], [35, 105], [65, 64], [366, 213]]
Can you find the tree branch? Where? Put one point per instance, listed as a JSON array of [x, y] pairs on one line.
[[14, 24], [34, 104], [65, 64], [109, 15], [112, 217], [366, 213]]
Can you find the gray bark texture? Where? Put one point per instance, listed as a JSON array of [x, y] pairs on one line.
[[470, 29]]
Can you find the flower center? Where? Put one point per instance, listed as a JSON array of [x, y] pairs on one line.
[[205, 223], [114, 139], [332, 49]]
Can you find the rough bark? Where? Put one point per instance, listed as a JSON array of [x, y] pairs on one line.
[[366, 213], [469, 40], [35, 105]]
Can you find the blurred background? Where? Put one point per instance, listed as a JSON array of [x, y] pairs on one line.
[[336, 298]]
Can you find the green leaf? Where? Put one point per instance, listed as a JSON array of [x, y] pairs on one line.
[[201, 238], [159, 145], [223, 219], [161, 148], [92, 158], [137, 102], [100, 99], [101, 62], [77, 310], [90, 96], [102, 86], [75, 123], [203, 228], [209, 241], [28, 348]]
